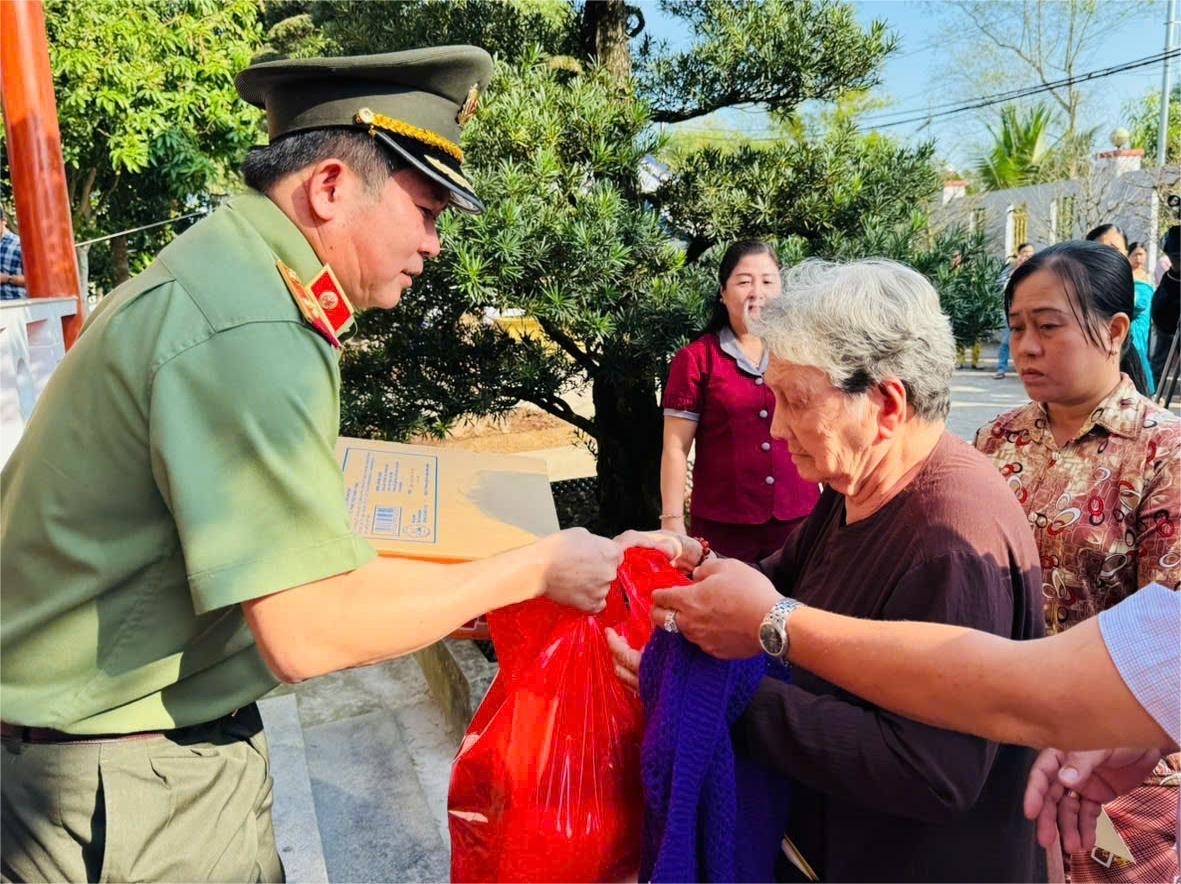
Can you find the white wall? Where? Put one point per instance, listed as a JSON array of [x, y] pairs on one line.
[[1105, 198], [31, 346]]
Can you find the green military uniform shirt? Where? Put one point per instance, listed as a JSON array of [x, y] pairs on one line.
[[180, 461]]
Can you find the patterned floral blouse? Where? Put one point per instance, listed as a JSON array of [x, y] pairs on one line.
[[1103, 507]]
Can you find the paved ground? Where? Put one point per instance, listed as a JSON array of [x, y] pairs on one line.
[[361, 762], [977, 397]]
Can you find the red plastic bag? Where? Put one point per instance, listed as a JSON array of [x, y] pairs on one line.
[[546, 784]]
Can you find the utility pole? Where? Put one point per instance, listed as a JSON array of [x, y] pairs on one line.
[[1162, 143]]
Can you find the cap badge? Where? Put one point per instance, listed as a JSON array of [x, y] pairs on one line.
[[469, 106]]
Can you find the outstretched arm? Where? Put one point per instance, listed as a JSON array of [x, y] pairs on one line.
[[1059, 691], [391, 606]]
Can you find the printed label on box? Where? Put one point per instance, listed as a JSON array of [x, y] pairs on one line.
[[392, 495]]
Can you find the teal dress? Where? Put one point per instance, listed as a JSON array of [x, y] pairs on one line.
[[1141, 323]]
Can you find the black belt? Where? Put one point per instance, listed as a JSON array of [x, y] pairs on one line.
[[49, 735], [28, 734]]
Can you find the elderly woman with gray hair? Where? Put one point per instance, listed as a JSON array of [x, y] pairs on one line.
[[913, 524]]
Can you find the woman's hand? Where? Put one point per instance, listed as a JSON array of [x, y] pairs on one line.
[[683, 552], [1066, 790], [627, 659], [722, 612]]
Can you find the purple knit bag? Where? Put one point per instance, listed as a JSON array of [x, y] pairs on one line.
[[695, 787]]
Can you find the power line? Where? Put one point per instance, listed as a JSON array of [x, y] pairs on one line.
[[989, 101], [91, 242], [1022, 91], [948, 109]]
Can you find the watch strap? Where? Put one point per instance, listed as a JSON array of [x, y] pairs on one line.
[[777, 618]]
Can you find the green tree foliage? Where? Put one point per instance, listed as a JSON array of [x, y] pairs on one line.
[[808, 188], [506, 28], [150, 120], [566, 240], [1144, 119], [1020, 152], [956, 262], [776, 53]]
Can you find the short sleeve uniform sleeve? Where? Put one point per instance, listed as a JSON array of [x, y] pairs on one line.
[[242, 431], [1143, 636], [684, 393]]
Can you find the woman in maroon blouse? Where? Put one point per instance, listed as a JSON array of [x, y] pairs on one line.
[[747, 494]]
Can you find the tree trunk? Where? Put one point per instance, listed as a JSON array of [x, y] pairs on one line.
[[604, 29], [697, 247], [120, 260], [628, 422], [630, 427]]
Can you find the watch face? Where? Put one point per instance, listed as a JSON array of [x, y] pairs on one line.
[[771, 639]]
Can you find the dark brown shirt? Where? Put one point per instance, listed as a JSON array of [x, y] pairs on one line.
[[878, 797]]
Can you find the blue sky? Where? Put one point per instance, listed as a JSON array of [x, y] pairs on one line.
[[911, 78]]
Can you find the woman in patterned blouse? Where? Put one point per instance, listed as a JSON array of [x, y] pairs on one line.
[[1095, 464]]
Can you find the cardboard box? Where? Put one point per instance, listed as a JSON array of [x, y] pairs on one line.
[[444, 504]]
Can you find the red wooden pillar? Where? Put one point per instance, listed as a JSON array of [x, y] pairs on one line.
[[35, 158]]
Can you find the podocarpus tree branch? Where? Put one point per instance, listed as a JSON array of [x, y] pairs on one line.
[[570, 347], [559, 408], [680, 115]]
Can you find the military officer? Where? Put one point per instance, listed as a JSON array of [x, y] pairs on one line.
[[174, 533]]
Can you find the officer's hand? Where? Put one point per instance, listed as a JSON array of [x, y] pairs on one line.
[[580, 569], [722, 612], [683, 552]]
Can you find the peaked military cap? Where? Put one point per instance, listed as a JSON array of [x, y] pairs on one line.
[[415, 102]]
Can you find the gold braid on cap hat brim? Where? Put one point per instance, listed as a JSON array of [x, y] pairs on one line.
[[368, 118]]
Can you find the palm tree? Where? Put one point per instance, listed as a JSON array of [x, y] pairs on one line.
[[1020, 152]]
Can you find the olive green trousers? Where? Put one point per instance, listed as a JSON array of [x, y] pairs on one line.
[[191, 807]]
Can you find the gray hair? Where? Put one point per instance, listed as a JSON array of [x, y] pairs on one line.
[[861, 323]]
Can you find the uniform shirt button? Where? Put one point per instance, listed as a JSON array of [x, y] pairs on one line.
[[762, 412], [766, 446], [770, 480], [758, 382]]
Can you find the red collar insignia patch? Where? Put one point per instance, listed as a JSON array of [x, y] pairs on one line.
[[322, 303], [337, 309]]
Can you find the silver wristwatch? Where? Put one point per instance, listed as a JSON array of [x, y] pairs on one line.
[[773, 630]]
